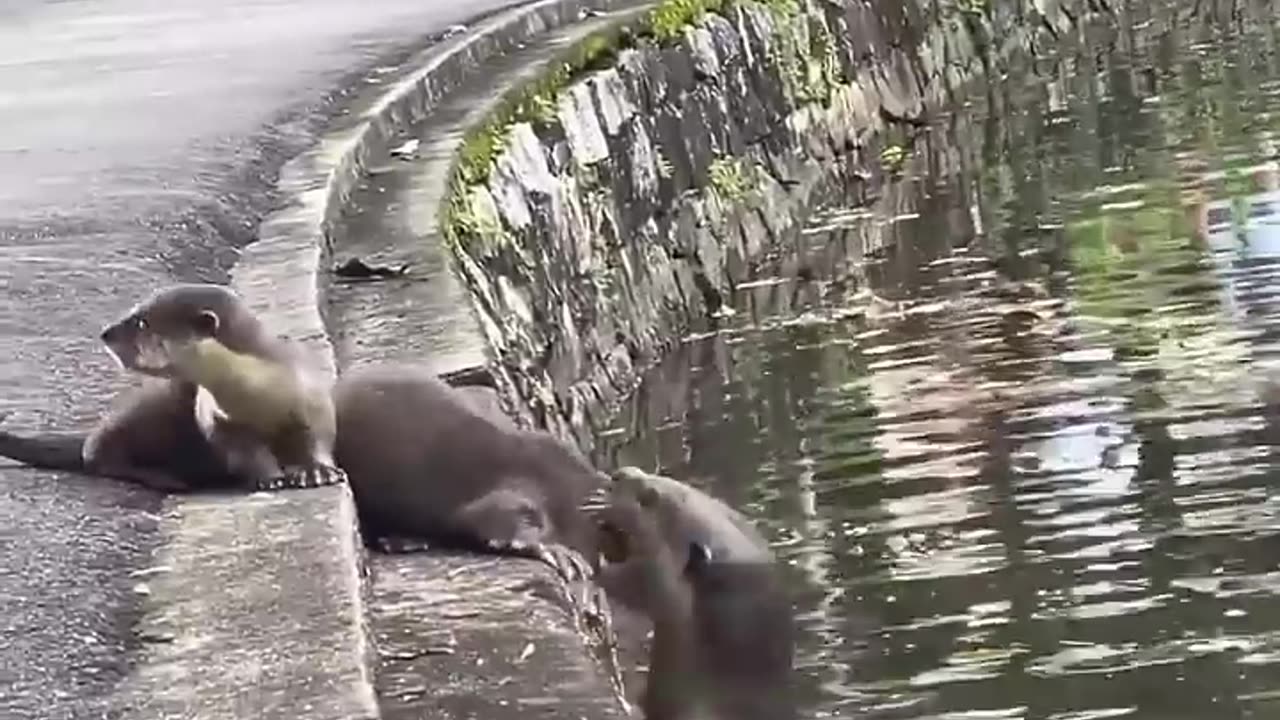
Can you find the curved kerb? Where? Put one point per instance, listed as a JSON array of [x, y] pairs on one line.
[[255, 605]]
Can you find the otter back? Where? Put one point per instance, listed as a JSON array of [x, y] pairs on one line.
[[427, 461]]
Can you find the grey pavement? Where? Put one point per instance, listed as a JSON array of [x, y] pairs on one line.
[[138, 145]]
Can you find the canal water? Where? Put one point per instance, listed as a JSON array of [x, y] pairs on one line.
[[1012, 426]]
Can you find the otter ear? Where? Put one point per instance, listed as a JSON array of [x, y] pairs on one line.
[[206, 323], [699, 558]]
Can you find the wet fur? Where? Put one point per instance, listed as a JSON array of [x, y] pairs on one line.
[[723, 626]]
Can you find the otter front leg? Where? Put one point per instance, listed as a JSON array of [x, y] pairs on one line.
[[401, 544], [509, 520], [312, 475], [305, 453]]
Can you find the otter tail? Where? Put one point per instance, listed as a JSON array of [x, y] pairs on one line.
[[51, 451]]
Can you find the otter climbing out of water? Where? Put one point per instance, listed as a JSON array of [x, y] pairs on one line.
[[223, 403], [723, 625]]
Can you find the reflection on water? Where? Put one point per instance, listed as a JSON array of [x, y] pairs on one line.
[[1020, 457]]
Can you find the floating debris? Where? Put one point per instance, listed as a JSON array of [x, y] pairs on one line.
[[525, 653], [156, 637]]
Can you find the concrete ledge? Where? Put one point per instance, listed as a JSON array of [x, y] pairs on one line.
[[469, 637], [256, 606], [427, 317], [458, 635], [254, 611]]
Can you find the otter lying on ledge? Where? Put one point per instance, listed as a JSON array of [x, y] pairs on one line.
[[723, 626], [428, 464], [225, 403]]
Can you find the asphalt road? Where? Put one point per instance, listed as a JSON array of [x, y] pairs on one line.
[[138, 143]]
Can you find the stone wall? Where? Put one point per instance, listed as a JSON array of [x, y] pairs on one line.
[[660, 184]]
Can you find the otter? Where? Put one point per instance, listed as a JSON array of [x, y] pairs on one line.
[[430, 464], [723, 627], [223, 403]]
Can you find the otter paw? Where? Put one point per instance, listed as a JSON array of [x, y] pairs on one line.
[[275, 482], [322, 475], [312, 476], [569, 563], [399, 545]]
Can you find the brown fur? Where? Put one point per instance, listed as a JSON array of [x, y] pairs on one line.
[[428, 462], [195, 343], [723, 635]]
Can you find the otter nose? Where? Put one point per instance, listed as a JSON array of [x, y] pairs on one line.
[[115, 332]]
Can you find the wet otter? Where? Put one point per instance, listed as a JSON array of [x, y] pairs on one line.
[[723, 627], [224, 403]]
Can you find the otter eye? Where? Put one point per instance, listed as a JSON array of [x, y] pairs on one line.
[[140, 323], [647, 497], [699, 557]]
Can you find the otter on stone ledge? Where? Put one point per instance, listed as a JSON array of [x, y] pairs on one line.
[[723, 626], [224, 403], [430, 465]]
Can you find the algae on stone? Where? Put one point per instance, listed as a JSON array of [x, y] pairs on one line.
[[731, 178], [618, 199]]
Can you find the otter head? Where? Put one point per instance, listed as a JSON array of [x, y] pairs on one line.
[[152, 337], [648, 516]]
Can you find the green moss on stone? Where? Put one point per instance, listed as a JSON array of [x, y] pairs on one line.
[[894, 158], [784, 7], [537, 103], [667, 21], [460, 220], [804, 51], [731, 178]]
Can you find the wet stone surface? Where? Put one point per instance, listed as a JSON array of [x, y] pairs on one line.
[[462, 636]]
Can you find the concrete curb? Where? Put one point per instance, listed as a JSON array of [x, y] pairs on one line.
[[514, 636], [255, 606]]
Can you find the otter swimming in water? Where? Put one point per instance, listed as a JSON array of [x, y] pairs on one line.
[[723, 625]]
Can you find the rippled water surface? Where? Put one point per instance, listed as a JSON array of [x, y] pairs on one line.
[[1021, 458]]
